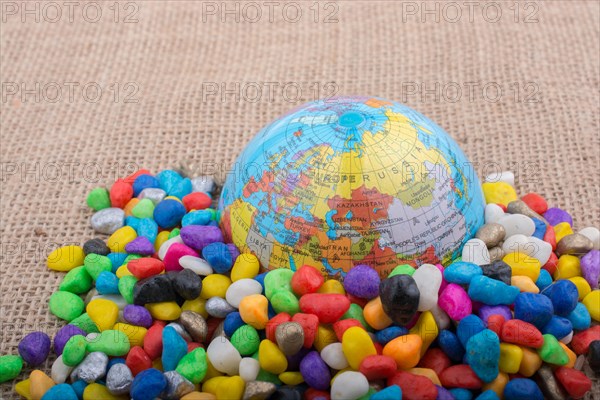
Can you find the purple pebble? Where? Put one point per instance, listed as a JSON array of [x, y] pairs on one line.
[[362, 281], [137, 315], [315, 372], [140, 245], [294, 360], [590, 267], [199, 236], [63, 335], [443, 393], [34, 348], [487, 311], [555, 216], [233, 250]]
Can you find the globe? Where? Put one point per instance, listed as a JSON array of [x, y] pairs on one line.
[[351, 180]]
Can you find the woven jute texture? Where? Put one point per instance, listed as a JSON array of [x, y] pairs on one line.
[[191, 82]]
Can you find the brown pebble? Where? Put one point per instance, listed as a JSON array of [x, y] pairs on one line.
[[520, 207], [289, 337], [491, 234], [575, 244], [258, 390], [194, 324]]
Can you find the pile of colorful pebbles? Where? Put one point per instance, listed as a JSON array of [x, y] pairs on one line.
[[164, 308]]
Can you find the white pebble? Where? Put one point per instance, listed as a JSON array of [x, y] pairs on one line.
[[223, 356], [531, 246], [593, 234], [60, 372], [442, 320], [428, 279], [504, 176], [515, 243], [540, 250], [333, 356], [108, 220], [493, 213], [517, 224], [196, 264], [162, 252], [349, 385], [204, 184], [476, 252], [249, 369], [567, 339], [156, 195], [240, 289]]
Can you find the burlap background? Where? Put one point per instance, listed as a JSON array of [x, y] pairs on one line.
[[56, 147]]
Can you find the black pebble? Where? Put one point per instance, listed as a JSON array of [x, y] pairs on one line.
[[96, 246], [286, 393], [187, 284], [400, 298], [498, 270], [593, 355], [154, 289]]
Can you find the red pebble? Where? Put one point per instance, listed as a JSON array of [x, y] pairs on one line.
[[131, 178], [196, 201], [436, 360], [536, 202], [314, 394], [328, 307], [460, 376], [495, 323], [153, 340], [310, 323], [193, 346], [414, 387], [502, 206], [138, 360], [342, 325], [120, 193], [306, 280], [550, 237], [581, 341], [551, 264], [378, 347], [213, 324], [378, 367], [145, 267], [575, 382], [521, 332], [357, 300], [274, 322]]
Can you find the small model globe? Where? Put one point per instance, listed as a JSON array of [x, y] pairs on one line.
[[351, 180]]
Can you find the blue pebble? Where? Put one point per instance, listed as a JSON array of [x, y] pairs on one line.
[[147, 228], [168, 180], [390, 333], [79, 386], [113, 361], [468, 327], [199, 217], [116, 259], [522, 389], [260, 278], [559, 327], [213, 223], [107, 283], [217, 254], [182, 189], [544, 280], [63, 391], [491, 291], [443, 393], [450, 344], [534, 308], [563, 294], [461, 272], [540, 229], [461, 394], [168, 213], [132, 221], [580, 317], [174, 348], [488, 395], [271, 311], [389, 393], [232, 322], [142, 182], [483, 354], [148, 385]]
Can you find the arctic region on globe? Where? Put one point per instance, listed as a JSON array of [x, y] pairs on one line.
[[351, 180]]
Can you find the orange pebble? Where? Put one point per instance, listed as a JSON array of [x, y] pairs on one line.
[[375, 316], [129, 206], [254, 310], [39, 384], [405, 350], [570, 353], [530, 363], [428, 373], [497, 385]]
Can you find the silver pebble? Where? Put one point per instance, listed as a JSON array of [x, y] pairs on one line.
[[575, 244], [491, 234], [119, 379], [289, 337], [496, 253], [258, 390], [156, 195], [177, 386], [92, 368], [108, 220], [195, 325], [204, 184], [218, 307], [545, 380], [181, 330], [520, 207]]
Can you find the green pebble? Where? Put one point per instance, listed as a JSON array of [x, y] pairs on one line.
[[75, 350], [193, 365], [403, 269], [285, 301], [356, 312], [131, 257], [143, 209], [265, 376], [98, 199], [66, 305], [85, 323], [95, 264], [10, 367], [246, 340], [109, 342], [126, 285], [173, 233], [278, 279], [76, 281], [213, 213], [552, 352]]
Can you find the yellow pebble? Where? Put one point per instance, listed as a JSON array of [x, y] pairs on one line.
[[524, 283], [254, 310], [572, 356], [123, 271], [103, 312], [130, 206], [160, 239], [231, 388], [172, 198], [165, 311], [39, 384], [157, 364], [210, 385], [522, 264], [22, 388], [65, 258], [119, 239], [356, 345], [215, 285], [96, 391], [497, 385], [325, 335], [199, 396], [332, 286], [271, 358], [375, 316], [211, 372], [530, 363], [499, 192], [561, 230], [427, 329], [245, 266], [567, 267], [592, 303], [583, 287], [292, 378], [511, 356], [198, 305], [135, 333], [427, 373]]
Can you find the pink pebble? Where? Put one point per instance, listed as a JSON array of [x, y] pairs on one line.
[[175, 252], [444, 282], [455, 301]]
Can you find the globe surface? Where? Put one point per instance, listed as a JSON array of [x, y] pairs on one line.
[[351, 180]]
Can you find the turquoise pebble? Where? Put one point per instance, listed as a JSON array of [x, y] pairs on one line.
[[580, 317], [544, 280], [107, 283], [182, 188], [79, 386], [389, 393], [491, 291], [488, 395], [116, 260], [461, 272], [147, 228], [199, 217], [168, 213], [168, 180], [461, 394], [132, 221], [63, 391], [174, 348], [468, 327], [483, 354]]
